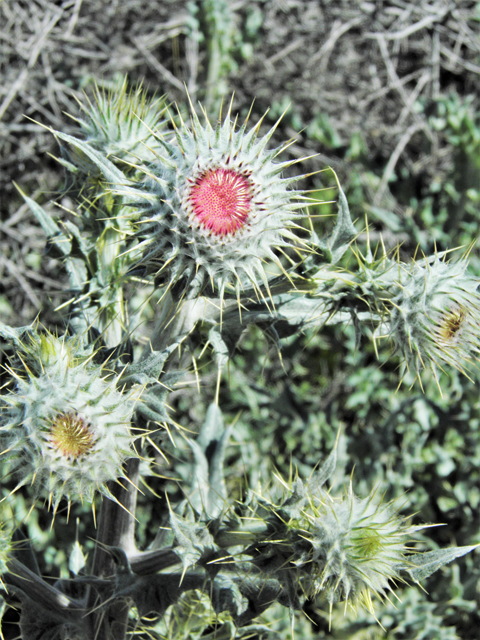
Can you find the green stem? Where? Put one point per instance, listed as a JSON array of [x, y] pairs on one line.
[[111, 322]]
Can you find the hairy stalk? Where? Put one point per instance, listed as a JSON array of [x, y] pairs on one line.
[[111, 320], [220, 32]]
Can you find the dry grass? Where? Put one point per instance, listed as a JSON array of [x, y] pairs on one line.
[[364, 65]]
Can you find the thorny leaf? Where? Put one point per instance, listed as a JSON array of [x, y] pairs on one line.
[[193, 541], [150, 368], [209, 493], [343, 233], [319, 478], [15, 334], [227, 596], [430, 561], [109, 170]]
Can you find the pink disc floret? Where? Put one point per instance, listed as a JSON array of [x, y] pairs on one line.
[[221, 200]]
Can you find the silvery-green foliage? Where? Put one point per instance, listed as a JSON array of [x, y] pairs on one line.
[[209, 217]]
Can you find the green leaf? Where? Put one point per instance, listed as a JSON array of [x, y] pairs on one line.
[[219, 345], [56, 237], [226, 596], [209, 493], [14, 334], [77, 560], [109, 170], [428, 563], [343, 233], [193, 541], [149, 369], [47, 223], [319, 478]]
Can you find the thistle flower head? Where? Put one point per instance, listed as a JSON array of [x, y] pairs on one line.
[[348, 548], [65, 427], [216, 207], [220, 201], [353, 547], [436, 315], [121, 123]]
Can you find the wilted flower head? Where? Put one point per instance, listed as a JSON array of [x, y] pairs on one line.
[[65, 427], [216, 207], [436, 315]]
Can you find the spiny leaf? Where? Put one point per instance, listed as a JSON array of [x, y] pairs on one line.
[[428, 563], [319, 478], [109, 170], [343, 233], [193, 541], [47, 223], [209, 493], [14, 334]]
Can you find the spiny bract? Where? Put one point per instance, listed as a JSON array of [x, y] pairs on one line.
[[5, 544], [216, 208], [65, 428], [436, 315]]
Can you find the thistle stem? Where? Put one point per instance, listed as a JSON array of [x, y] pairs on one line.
[[43, 594], [243, 535], [115, 529]]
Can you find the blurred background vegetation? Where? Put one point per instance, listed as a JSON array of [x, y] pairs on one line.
[[386, 94]]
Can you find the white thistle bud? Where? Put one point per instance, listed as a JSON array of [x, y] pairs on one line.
[[65, 428], [215, 207], [349, 549], [121, 123], [436, 315], [356, 548]]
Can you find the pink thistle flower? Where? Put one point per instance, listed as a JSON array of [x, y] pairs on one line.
[[216, 210], [220, 201]]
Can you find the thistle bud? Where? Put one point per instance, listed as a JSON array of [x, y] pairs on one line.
[[351, 549], [121, 124], [65, 428], [436, 315]]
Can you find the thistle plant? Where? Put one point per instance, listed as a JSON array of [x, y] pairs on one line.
[[210, 221]]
